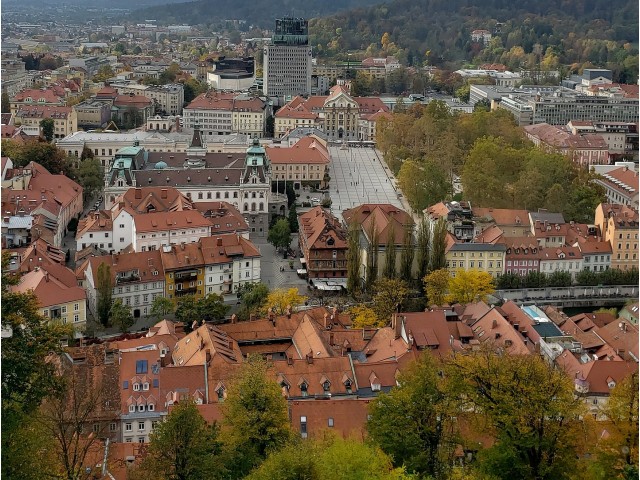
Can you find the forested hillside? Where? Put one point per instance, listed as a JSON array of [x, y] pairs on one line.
[[604, 33], [260, 13]]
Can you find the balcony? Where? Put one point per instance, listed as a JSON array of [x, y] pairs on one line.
[[132, 277]]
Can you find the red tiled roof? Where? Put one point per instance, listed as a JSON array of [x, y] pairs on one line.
[[306, 150]]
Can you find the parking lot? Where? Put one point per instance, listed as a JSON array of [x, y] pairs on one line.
[[359, 176]]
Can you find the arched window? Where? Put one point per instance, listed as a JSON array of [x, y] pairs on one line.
[[253, 206], [261, 206], [246, 207]]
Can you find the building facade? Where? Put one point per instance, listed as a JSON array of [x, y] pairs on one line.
[[287, 59]]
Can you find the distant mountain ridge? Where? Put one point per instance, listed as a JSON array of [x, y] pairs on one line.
[[256, 12]]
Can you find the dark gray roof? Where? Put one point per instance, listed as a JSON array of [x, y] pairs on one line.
[[544, 216], [179, 178], [547, 329], [212, 160]]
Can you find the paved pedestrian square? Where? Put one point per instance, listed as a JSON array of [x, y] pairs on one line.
[[359, 175]]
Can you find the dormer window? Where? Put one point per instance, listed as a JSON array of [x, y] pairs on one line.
[[347, 385], [326, 386], [136, 387], [132, 408], [221, 394], [151, 407], [141, 407], [304, 389], [145, 386]]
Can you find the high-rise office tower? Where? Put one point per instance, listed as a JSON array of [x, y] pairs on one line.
[[287, 60]]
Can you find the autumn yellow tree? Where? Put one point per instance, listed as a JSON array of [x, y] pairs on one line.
[[280, 299], [436, 285], [527, 405], [365, 317], [389, 293], [617, 454], [470, 286]]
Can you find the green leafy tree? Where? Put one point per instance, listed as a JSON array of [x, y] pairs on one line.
[[280, 234], [5, 103], [212, 307], [104, 293], [293, 218], [187, 310], [253, 297], [424, 183], [120, 316], [587, 278], [559, 278], [27, 378], [535, 280], [47, 125], [527, 405], [423, 243], [328, 458], [372, 254], [407, 255], [183, 447], [412, 423], [390, 255], [354, 258], [509, 281], [436, 286], [91, 176], [255, 417], [389, 295], [161, 307], [39, 151], [438, 258]]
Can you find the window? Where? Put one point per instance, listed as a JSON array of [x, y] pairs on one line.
[[145, 386], [76, 307], [140, 439], [132, 408], [96, 428], [140, 425], [151, 407], [303, 427], [141, 366], [330, 422], [136, 387], [128, 427], [112, 427], [141, 408]]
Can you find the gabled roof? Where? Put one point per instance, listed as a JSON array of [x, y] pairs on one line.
[[144, 262], [387, 218], [48, 289], [204, 343], [306, 150], [322, 230]]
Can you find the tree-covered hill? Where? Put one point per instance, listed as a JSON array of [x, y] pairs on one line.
[[260, 13], [577, 31]]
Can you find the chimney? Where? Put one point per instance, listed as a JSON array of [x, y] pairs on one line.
[[219, 241], [289, 360], [331, 338], [494, 324], [163, 193], [163, 361], [138, 193], [310, 356], [326, 318], [208, 355]]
